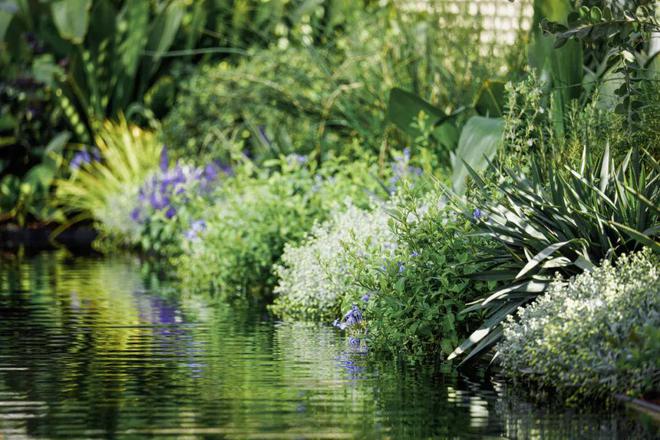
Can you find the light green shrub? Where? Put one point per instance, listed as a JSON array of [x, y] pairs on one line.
[[254, 217], [583, 336], [315, 276]]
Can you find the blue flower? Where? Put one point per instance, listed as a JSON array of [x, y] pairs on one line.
[[80, 158], [164, 159], [171, 212], [414, 254], [401, 267], [136, 215], [365, 297], [476, 214], [196, 228], [352, 317]]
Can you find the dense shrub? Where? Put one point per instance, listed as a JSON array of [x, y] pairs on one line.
[[332, 98], [269, 104], [254, 216], [583, 337], [417, 291], [315, 276], [167, 204]]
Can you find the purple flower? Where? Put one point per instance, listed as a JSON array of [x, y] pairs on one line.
[[159, 201], [79, 159], [476, 214], [401, 267], [171, 212], [353, 316], [210, 172], [414, 254], [164, 159], [196, 228], [299, 159], [136, 215], [365, 297]]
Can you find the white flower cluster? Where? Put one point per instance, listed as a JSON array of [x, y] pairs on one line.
[[314, 276], [580, 335]]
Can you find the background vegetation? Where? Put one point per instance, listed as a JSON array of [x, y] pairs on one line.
[[426, 179]]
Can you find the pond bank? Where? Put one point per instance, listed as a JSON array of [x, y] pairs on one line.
[[40, 236]]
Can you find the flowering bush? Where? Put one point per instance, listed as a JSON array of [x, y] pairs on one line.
[[167, 205], [105, 179], [418, 290], [254, 216], [590, 336], [315, 276]]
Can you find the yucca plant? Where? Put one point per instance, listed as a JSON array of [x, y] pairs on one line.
[[126, 155], [559, 221]]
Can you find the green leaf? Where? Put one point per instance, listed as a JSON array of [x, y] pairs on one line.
[[7, 11], [637, 236], [545, 253], [490, 100], [71, 18], [477, 145], [486, 328], [403, 108]]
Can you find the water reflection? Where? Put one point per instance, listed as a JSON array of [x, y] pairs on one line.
[[92, 348]]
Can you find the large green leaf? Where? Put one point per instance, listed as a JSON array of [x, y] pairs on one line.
[[71, 18], [8, 9], [161, 36], [490, 100], [404, 107], [477, 145]]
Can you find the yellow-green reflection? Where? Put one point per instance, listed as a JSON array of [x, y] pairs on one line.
[[94, 348]]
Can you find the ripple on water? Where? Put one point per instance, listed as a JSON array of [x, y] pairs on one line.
[[89, 349]]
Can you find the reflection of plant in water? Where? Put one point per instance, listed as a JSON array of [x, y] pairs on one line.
[[522, 419]]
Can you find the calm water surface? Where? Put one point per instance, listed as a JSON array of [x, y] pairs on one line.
[[97, 348]]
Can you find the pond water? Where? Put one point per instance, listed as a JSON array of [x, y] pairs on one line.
[[100, 348]]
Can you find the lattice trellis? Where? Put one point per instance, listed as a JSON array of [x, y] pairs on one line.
[[502, 20]]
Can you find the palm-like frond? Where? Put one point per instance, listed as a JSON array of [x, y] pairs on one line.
[[562, 221]]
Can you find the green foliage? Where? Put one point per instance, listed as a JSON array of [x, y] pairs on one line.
[[332, 98], [269, 104], [316, 276], [479, 141], [560, 221], [103, 190], [97, 65], [625, 59], [255, 215], [590, 337], [28, 196], [418, 289]]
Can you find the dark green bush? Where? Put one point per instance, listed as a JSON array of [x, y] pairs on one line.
[[418, 290]]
